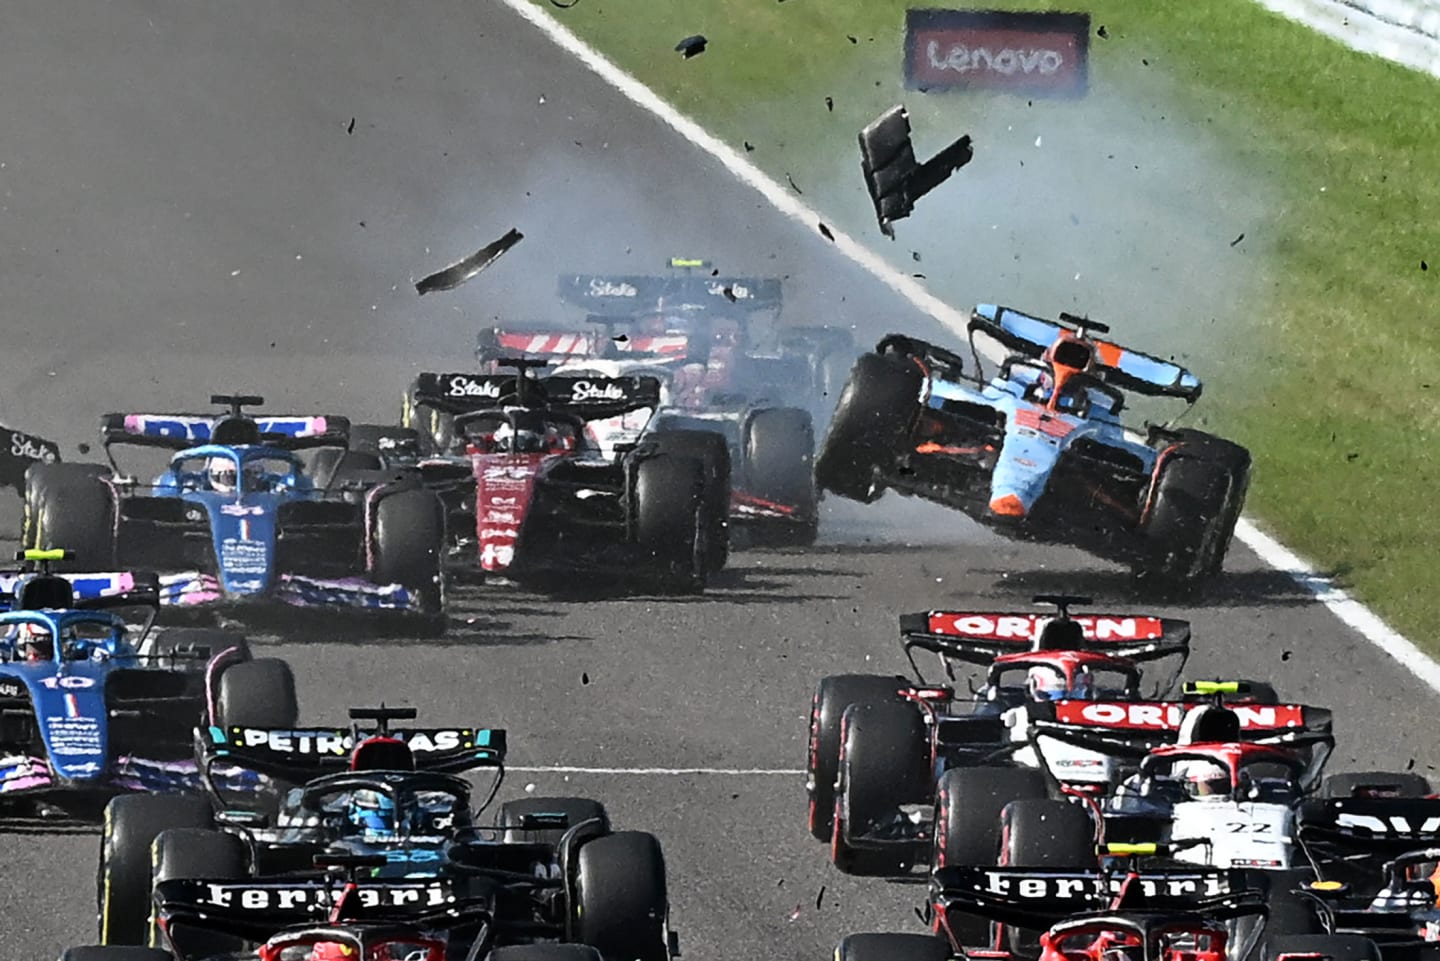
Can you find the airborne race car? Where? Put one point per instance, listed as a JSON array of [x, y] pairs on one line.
[[550, 868], [1039, 452], [878, 745], [237, 520], [96, 714], [546, 499], [694, 335]]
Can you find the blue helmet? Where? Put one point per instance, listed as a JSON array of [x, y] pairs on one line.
[[373, 813]]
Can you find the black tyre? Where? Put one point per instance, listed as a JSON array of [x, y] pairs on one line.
[[622, 900], [1195, 503], [132, 823], [893, 947], [1042, 833], [70, 506], [408, 538], [884, 763], [197, 853], [670, 521], [1333, 947], [434, 430], [257, 693], [577, 810], [780, 466], [871, 421], [1236, 462], [822, 763], [544, 951], [1403, 784], [710, 449], [98, 952], [966, 826]]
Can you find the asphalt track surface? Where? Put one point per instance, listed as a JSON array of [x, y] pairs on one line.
[[153, 150]]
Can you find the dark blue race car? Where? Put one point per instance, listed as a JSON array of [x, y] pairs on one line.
[[239, 519], [1039, 450], [90, 709]]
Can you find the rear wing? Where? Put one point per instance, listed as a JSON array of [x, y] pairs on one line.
[[1380, 826], [585, 396], [601, 343], [100, 591], [629, 294], [1120, 366], [179, 431], [980, 637], [301, 754], [257, 909], [1039, 898]]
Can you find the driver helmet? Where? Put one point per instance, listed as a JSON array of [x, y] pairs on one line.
[[1202, 778], [221, 471], [558, 441], [374, 813], [332, 951], [34, 643], [1048, 684], [509, 440]]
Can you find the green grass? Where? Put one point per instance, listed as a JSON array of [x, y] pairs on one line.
[[1335, 380]]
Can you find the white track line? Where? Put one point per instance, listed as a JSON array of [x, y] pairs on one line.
[[1351, 612], [663, 771]]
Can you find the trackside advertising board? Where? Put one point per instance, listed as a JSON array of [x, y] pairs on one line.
[[1041, 54]]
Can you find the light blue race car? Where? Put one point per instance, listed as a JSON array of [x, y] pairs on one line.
[[90, 710], [238, 520], [1039, 450]]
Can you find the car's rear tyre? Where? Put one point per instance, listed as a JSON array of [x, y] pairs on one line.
[[670, 523], [892, 947], [1044, 833], [966, 828], [779, 446], [132, 823], [622, 900], [408, 544], [1332, 947], [577, 810], [180, 853], [70, 506], [257, 693], [710, 449], [99, 952], [884, 763], [870, 424], [822, 763], [1403, 784]]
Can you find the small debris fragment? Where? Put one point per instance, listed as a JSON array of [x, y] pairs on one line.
[[915, 256], [1102, 33], [851, 38], [729, 293], [749, 146], [584, 677], [825, 231], [795, 914], [1037, 141], [820, 897], [530, 788], [1410, 765], [691, 46], [1237, 240], [830, 104], [1285, 655], [351, 129], [463, 270], [1424, 265], [793, 186]]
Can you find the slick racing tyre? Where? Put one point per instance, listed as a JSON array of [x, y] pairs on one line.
[[822, 763], [71, 507], [544, 951], [670, 522], [779, 446], [871, 422], [103, 953], [1195, 502], [132, 823], [1042, 833], [1375, 784], [893, 947], [408, 542], [621, 899], [966, 826], [257, 693], [710, 449], [197, 853], [884, 764], [577, 810], [1332, 947]]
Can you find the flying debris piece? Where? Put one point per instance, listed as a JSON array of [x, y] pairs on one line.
[[825, 232], [351, 128], [458, 273], [1102, 33], [749, 146], [830, 104], [793, 185], [893, 176], [691, 46]]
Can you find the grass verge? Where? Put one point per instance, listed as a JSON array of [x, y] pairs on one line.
[[1333, 377]]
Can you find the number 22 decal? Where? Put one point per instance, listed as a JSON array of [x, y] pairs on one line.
[[1246, 827]]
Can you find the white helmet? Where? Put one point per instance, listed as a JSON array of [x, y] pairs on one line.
[[1044, 683], [221, 471]]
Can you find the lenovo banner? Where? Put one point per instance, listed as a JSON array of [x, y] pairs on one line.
[[1038, 54]]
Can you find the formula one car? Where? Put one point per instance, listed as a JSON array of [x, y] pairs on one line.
[[1064, 913], [877, 745], [18, 451], [89, 710], [237, 520], [547, 499], [1039, 451], [550, 868]]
